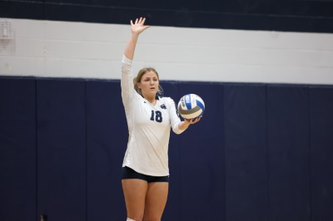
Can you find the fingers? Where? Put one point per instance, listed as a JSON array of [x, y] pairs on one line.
[[194, 120], [141, 21], [138, 21]]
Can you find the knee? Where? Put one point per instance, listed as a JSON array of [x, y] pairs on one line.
[[137, 216]]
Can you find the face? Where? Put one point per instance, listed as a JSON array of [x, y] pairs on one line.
[[149, 85]]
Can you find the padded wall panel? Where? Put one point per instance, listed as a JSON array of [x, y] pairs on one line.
[[61, 149], [245, 152], [288, 153], [106, 144], [202, 157], [262, 152], [321, 104], [17, 150]]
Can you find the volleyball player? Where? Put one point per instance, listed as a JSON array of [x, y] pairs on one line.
[[150, 118]]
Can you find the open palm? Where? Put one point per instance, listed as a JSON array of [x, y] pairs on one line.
[[138, 25]]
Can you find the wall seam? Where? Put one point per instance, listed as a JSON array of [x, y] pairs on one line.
[[36, 149], [268, 215], [86, 150], [309, 153]]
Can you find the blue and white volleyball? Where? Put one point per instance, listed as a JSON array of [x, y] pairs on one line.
[[191, 106]]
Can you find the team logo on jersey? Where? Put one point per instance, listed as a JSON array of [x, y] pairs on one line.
[[163, 106]]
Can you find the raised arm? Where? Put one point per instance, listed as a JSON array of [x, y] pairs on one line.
[[137, 27]]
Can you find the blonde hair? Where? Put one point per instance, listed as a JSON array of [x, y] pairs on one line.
[[139, 76]]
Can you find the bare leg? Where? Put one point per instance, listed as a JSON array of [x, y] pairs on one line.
[[135, 191], [156, 200]]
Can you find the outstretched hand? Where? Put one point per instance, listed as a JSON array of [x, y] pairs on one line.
[[187, 122], [138, 25]]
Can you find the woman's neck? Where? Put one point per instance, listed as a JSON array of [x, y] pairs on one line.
[[151, 100]]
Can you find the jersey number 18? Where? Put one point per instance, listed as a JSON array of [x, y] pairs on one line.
[[156, 116]]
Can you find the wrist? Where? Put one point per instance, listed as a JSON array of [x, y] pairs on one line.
[[135, 34], [186, 123]]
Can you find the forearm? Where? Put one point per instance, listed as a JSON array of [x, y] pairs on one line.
[[130, 49], [183, 125]]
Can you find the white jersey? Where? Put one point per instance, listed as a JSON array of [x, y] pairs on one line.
[[148, 126]]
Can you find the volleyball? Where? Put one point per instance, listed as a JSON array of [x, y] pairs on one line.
[[191, 106]]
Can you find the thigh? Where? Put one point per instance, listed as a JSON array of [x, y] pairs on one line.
[[156, 199], [135, 191]]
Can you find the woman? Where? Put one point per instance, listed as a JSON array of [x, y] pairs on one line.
[[149, 119]]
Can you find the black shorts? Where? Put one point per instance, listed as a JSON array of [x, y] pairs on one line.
[[129, 173]]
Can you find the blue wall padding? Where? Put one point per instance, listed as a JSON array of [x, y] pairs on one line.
[[17, 150], [106, 145], [61, 144], [245, 152], [201, 167], [321, 153], [287, 155], [261, 152]]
